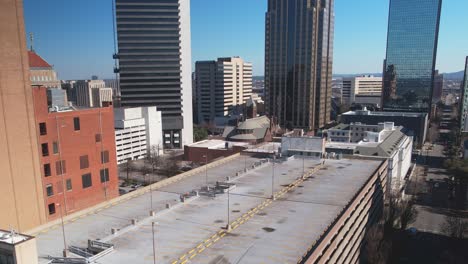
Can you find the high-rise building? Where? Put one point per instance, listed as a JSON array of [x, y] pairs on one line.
[[409, 67], [155, 62], [41, 72], [438, 86], [366, 90], [221, 85], [464, 101], [22, 200], [298, 62]]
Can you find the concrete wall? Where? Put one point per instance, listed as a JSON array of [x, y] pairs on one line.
[[305, 144], [195, 154], [21, 197], [342, 240]]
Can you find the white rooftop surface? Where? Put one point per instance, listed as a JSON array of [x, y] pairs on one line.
[[216, 144], [11, 238], [280, 233], [269, 147]]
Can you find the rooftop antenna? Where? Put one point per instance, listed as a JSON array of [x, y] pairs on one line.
[[31, 41]]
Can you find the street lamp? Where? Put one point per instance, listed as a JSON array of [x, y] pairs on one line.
[[273, 178], [154, 242], [151, 191], [228, 226], [63, 232], [206, 170]]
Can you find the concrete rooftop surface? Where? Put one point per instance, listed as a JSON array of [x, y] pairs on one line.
[[263, 230]]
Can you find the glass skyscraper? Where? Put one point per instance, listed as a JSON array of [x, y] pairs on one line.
[[464, 100], [298, 62], [413, 28], [154, 58]]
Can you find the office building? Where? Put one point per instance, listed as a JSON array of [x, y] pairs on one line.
[[155, 65], [78, 157], [298, 62], [17, 248], [415, 124], [41, 72], [364, 90], [22, 200], [138, 130], [221, 85], [464, 101], [438, 87], [92, 93], [409, 67]]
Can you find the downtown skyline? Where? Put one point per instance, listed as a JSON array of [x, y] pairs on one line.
[[70, 41]]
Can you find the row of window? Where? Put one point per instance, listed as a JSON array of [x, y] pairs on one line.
[[86, 182], [43, 126], [42, 78], [60, 165]]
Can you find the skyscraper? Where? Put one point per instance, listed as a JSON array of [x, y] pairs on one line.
[[298, 62], [22, 198], [464, 101], [155, 62], [413, 28], [221, 85]]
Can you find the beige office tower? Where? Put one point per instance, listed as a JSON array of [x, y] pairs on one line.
[[221, 85], [21, 196]]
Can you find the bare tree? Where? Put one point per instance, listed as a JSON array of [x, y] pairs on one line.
[[130, 167], [407, 213], [390, 213], [377, 249], [153, 157], [455, 227]]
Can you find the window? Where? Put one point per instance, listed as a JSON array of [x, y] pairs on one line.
[[49, 190], [69, 184], [47, 170], [84, 162], [76, 123], [104, 175], [45, 149], [104, 156], [60, 167], [42, 129], [86, 180], [55, 147], [51, 208], [98, 138]]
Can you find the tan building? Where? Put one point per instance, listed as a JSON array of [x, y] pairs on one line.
[[92, 93], [41, 72], [17, 248], [22, 200], [365, 89], [220, 86]]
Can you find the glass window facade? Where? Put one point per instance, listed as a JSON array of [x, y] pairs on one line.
[[409, 67], [298, 62]]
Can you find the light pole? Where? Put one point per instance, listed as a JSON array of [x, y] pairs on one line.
[[273, 178], [206, 170], [154, 242], [228, 226], [151, 191], [63, 232]]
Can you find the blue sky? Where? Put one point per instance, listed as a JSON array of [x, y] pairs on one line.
[[77, 36]]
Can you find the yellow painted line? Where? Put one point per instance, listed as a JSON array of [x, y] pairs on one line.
[[183, 256], [200, 245], [216, 239], [209, 245], [222, 231], [174, 262], [201, 250], [235, 226], [191, 257], [213, 236], [185, 261], [223, 234], [206, 240], [191, 251]]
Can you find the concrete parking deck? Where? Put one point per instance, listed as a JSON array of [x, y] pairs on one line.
[[263, 230]]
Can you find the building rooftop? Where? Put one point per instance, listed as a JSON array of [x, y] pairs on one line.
[[341, 127], [12, 238], [216, 144], [373, 113], [385, 148], [36, 61], [263, 231]]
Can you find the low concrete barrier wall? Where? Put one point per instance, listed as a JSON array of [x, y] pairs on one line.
[[131, 195]]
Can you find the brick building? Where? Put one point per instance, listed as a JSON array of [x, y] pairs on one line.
[[79, 145]]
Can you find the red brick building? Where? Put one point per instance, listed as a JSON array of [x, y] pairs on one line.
[[77, 154]]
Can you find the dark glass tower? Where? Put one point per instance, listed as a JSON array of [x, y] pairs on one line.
[[154, 58], [298, 62], [413, 28]]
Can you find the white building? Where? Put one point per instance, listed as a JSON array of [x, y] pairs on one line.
[[220, 86], [302, 145], [92, 93], [356, 132], [389, 143], [365, 89], [137, 130]]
